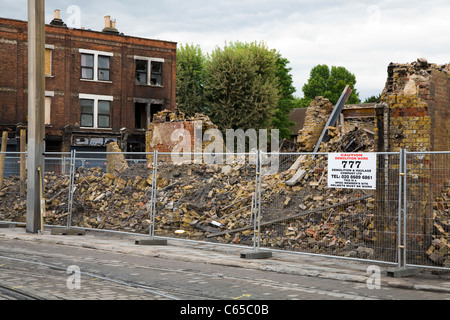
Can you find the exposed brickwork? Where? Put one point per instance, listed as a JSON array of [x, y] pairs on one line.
[[415, 102], [413, 114]]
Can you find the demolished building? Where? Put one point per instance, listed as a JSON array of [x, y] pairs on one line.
[[215, 202]]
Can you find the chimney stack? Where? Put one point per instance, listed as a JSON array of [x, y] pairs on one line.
[[107, 22], [110, 26], [57, 19]]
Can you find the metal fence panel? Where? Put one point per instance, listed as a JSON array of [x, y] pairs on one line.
[[198, 198], [56, 188], [300, 213], [111, 191], [428, 209]]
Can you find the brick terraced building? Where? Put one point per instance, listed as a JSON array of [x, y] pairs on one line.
[[100, 86]]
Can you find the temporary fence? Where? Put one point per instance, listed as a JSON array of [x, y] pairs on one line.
[[427, 209], [205, 197], [301, 213], [268, 201]]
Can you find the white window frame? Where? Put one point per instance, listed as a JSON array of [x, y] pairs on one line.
[[96, 99], [95, 71], [149, 69]]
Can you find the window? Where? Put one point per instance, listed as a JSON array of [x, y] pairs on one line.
[[87, 66], [144, 112], [48, 59], [141, 71], [103, 114], [140, 115], [95, 111], [87, 113], [149, 71], [95, 65], [48, 106], [103, 68], [156, 73]]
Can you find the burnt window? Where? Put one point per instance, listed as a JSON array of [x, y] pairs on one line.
[[140, 115], [156, 71], [149, 71], [141, 71]]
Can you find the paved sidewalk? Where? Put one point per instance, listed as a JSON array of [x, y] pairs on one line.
[[288, 263]]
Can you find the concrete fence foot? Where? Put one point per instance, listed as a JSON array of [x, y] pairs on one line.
[[151, 242], [256, 255]]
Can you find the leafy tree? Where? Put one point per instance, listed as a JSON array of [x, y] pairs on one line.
[[241, 86], [190, 80], [329, 84], [287, 101], [373, 99]]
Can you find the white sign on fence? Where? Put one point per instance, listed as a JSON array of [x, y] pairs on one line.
[[352, 170]]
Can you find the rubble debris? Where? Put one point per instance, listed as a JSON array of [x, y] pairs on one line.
[[439, 250], [201, 200]]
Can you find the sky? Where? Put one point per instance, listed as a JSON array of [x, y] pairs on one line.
[[362, 36]]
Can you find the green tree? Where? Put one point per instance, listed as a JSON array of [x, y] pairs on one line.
[[241, 86], [190, 80], [287, 101], [329, 84], [373, 99]]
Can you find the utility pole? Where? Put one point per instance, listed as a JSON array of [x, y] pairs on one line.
[[36, 112]]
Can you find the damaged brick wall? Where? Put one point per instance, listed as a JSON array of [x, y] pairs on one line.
[[414, 114], [316, 118], [161, 134]]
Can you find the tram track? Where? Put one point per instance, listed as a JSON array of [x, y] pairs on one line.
[[26, 296], [170, 292]]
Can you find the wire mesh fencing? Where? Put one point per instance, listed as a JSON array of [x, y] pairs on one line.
[[301, 213], [427, 201], [266, 200], [57, 185], [207, 197], [111, 191]]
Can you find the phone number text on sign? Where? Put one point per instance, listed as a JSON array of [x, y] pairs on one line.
[[352, 170]]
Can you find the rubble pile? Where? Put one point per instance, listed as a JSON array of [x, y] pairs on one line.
[[439, 251], [357, 140], [197, 201]]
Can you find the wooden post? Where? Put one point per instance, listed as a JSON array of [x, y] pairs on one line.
[[3, 157], [23, 167]]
